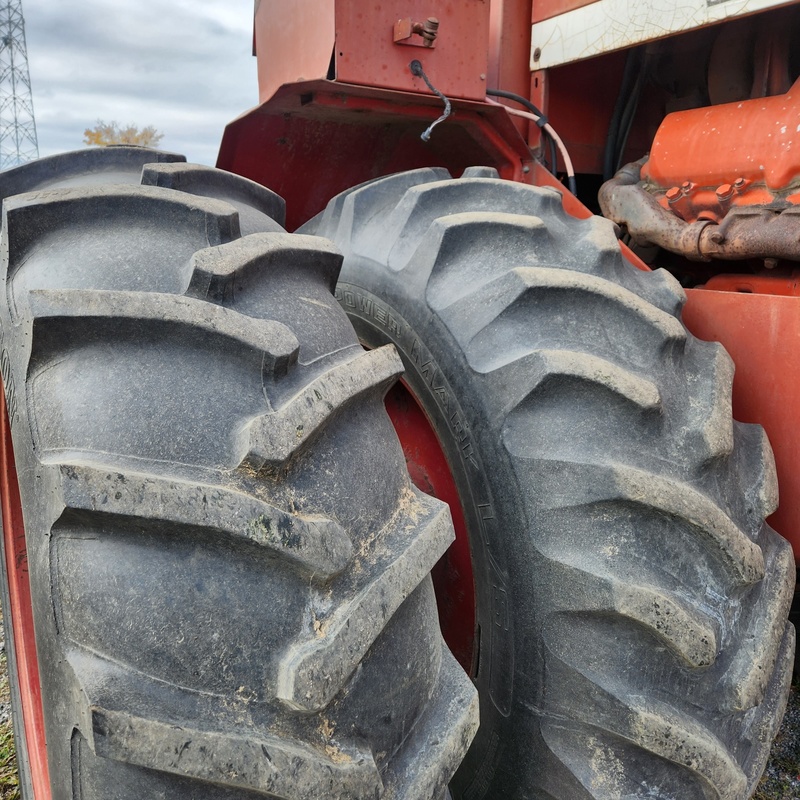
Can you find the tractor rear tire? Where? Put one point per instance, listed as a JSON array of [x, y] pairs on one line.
[[631, 603], [229, 592]]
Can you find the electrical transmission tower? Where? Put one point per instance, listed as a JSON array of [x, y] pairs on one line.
[[18, 142]]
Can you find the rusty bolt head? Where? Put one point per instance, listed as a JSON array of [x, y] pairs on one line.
[[716, 237], [724, 192], [687, 187], [673, 194], [428, 30], [739, 183]]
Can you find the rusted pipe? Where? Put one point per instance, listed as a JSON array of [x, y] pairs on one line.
[[745, 232], [754, 232], [624, 201]]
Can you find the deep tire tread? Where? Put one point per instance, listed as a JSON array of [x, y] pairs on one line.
[[273, 343], [316, 666], [208, 715], [316, 545], [695, 645], [522, 289], [278, 436], [92, 166], [217, 270], [754, 661], [258, 206], [592, 372], [268, 765]]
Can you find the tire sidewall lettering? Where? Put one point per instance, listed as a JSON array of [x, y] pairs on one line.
[[378, 323]]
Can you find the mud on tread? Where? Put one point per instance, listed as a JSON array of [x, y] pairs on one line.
[[136, 380], [630, 545]]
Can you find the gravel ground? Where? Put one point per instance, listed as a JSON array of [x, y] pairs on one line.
[[781, 779]]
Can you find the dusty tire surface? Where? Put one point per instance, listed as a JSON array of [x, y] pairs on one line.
[[631, 602], [229, 567]]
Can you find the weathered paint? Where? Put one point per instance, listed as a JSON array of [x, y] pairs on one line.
[[761, 331], [614, 24], [20, 618], [755, 140], [353, 42], [315, 139]]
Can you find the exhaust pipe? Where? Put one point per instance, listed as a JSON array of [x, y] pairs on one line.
[[745, 232]]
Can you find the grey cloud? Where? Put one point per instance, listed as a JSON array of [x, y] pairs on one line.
[[183, 66]]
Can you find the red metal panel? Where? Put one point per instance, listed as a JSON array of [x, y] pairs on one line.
[[316, 139], [756, 284], [510, 51], [510, 46], [762, 334], [293, 41], [545, 9], [21, 614], [367, 54]]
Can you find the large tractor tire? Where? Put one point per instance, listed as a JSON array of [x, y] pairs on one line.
[[216, 577], [631, 637]]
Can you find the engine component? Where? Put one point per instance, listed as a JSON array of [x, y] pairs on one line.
[[721, 182], [755, 231]]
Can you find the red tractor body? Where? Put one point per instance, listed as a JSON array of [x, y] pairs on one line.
[[217, 566], [340, 105]]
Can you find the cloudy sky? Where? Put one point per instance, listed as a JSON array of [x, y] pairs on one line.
[[184, 66]]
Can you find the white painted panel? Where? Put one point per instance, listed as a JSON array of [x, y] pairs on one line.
[[613, 24]]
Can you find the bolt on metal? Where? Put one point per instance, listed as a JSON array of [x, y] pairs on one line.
[[724, 192]]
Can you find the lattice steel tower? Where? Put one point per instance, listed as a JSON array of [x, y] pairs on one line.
[[18, 142]]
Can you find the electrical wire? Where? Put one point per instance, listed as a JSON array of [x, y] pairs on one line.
[[416, 69], [626, 123], [553, 155], [534, 110], [622, 114], [545, 126], [523, 101]]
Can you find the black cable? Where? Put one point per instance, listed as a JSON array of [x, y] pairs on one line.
[[522, 101], [541, 123], [416, 69], [572, 184], [626, 123], [629, 76]]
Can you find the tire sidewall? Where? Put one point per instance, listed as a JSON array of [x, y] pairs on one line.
[[480, 474]]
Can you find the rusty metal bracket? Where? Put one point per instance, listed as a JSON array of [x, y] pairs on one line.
[[406, 31]]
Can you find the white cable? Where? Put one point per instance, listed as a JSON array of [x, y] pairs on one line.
[[548, 128]]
